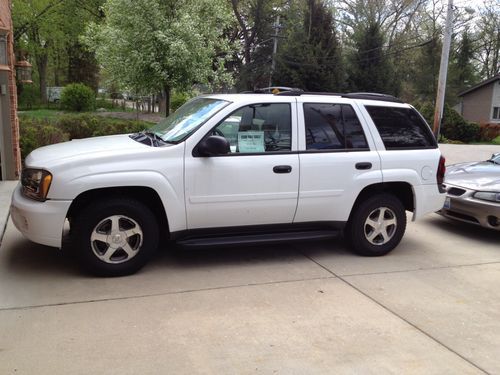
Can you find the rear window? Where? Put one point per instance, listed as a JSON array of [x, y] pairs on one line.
[[333, 127], [401, 128]]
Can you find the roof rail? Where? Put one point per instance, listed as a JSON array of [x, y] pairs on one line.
[[291, 91], [276, 90], [372, 96]]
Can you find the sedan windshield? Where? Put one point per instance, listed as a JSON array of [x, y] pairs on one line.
[[495, 158], [183, 122]]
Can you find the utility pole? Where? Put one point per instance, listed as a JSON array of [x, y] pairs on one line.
[[276, 27], [443, 70]]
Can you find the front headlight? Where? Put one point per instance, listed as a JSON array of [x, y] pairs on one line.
[[488, 196], [36, 183]]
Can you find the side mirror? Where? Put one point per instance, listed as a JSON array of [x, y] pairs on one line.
[[213, 146]]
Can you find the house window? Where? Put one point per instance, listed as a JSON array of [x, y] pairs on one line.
[[496, 113], [3, 50]]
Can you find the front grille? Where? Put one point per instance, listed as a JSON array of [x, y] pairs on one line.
[[463, 217], [456, 191]]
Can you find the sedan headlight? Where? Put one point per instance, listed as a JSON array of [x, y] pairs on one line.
[[36, 183], [488, 196]]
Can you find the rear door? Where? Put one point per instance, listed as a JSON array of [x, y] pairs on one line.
[[337, 158]]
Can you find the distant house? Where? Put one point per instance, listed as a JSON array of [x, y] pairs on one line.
[[481, 103]]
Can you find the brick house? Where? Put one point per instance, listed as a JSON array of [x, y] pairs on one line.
[[10, 156], [481, 103]]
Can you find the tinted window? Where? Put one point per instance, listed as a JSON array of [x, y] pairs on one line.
[[401, 127], [255, 128], [332, 126]]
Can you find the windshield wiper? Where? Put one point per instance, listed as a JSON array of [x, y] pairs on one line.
[[156, 140]]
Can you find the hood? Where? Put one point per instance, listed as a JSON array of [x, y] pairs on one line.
[[78, 149], [477, 175]]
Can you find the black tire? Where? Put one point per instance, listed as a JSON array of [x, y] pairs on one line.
[[116, 237], [388, 216]]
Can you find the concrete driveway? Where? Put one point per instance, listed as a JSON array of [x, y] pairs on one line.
[[432, 306]]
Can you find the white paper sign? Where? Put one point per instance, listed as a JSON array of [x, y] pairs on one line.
[[251, 141]]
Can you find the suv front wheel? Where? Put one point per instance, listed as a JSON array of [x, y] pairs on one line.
[[377, 225], [116, 237]]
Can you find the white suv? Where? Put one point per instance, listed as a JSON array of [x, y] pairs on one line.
[[234, 169]]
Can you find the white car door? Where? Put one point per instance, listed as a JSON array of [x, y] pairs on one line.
[[337, 159], [257, 182]]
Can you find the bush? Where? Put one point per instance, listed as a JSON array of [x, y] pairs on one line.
[[28, 97], [496, 141], [457, 128], [77, 97], [178, 99], [489, 132], [454, 128], [40, 132]]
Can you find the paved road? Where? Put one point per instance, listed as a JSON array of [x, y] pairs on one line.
[[430, 307]]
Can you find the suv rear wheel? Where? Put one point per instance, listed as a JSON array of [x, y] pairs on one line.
[[116, 237], [376, 225]]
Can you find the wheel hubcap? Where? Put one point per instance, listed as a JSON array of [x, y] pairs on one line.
[[380, 226], [116, 239]]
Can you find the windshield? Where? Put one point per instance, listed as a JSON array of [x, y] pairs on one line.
[[183, 122], [495, 158]]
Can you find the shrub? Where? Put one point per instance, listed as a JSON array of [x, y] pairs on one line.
[[28, 97], [489, 132], [37, 132], [77, 97], [178, 99], [454, 128], [496, 141]]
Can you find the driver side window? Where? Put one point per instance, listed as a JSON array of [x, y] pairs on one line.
[[257, 128]]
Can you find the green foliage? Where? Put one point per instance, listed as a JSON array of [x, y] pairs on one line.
[[311, 57], [455, 127], [28, 97], [151, 45], [37, 132], [178, 99], [369, 68], [78, 97], [496, 141]]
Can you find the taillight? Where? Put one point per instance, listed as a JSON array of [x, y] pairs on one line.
[[440, 173]]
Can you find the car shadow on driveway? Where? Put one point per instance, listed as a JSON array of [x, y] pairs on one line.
[[21, 256], [466, 230]]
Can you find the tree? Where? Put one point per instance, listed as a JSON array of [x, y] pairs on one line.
[[47, 30], [488, 53], [156, 45], [253, 30], [462, 72], [311, 55], [369, 67]]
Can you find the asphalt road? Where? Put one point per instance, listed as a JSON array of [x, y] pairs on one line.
[[432, 306]]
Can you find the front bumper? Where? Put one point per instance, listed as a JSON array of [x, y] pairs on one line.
[[40, 222], [471, 210]]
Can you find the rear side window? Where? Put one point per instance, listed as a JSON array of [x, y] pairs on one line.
[[401, 128], [333, 127]]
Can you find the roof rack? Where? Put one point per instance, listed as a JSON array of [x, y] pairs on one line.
[[360, 95], [291, 91], [276, 90]]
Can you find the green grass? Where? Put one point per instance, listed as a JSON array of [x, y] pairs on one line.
[[41, 114]]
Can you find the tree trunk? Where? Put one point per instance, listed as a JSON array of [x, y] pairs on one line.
[[41, 63], [167, 100]]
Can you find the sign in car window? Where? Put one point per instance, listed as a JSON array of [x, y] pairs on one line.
[[251, 141]]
